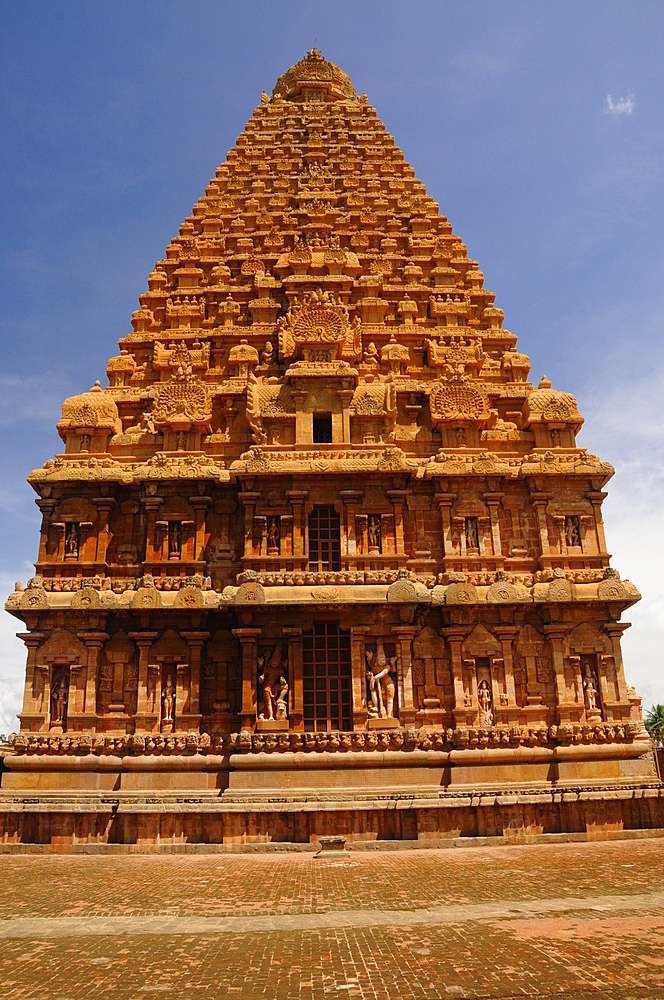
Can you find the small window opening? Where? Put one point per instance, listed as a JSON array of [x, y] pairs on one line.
[[322, 428]]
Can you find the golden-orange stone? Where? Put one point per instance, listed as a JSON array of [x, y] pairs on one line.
[[320, 559]]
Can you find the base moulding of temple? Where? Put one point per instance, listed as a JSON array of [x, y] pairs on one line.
[[414, 818]]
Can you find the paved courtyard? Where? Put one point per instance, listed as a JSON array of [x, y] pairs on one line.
[[572, 920]]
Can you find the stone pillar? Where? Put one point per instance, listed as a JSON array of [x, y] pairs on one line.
[[615, 630], [555, 635], [200, 505], [596, 500], [351, 498], [444, 502], [296, 499], [180, 672], [358, 662], [260, 527], [303, 420], [144, 721], [345, 396], [248, 640], [505, 634], [46, 507], [152, 505], [455, 637], [32, 640], [404, 636], [249, 504], [196, 641], [295, 676], [539, 503], [493, 502], [398, 498], [94, 642], [104, 505], [72, 714]]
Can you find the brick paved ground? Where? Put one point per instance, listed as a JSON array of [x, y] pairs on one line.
[[576, 920]]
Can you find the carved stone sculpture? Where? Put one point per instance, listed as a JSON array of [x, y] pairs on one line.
[[381, 683], [273, 682]]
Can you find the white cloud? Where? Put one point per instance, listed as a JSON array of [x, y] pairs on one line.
[[621, 106]]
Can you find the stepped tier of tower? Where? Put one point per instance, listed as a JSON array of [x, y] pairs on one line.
[[320, 512]]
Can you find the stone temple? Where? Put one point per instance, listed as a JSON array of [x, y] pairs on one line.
[[320, 559]]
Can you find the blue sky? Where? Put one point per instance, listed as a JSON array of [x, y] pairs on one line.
[[537, 127]]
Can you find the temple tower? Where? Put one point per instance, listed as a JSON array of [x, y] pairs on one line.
[[320, 538]]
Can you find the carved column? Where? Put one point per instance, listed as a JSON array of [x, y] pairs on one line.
[[596, 500], [398, 498], [94, 642], [444, 502], [152, 505], [615, 630], [200, 505], [248, 640], [359, 667], [196, 641], [32, 640], [104, 505], [493, 502], [539, 504], [46, 507], [296, 499], [351, 499], [345, 396], [404, 636], [249, 504], [555, 635], [144, 721], [72, 714], [505, 634], [180, 673], [455, 637], [295, 676]]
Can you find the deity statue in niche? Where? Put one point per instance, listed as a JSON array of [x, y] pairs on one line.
[[273, 682], [168, 702], [373, 532], [72, 540], [572, 532], [381, 683], [174, 539], [472, 533], [484, 702], [59, 701], [273, 537], [85, 442], [590, 691]]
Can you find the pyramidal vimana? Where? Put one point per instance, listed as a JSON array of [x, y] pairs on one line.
[[320, 559]]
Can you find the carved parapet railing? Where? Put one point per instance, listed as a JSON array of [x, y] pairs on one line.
[[407, 739]]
